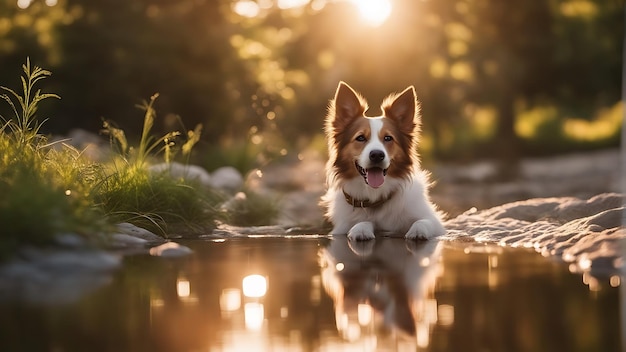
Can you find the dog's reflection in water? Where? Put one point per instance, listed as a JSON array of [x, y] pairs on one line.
[[382, 287]]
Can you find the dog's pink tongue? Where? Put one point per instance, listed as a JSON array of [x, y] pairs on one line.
[[375, 177]]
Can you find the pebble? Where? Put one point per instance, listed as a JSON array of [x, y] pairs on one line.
[[226, 178], [170, 250], [138, 232]]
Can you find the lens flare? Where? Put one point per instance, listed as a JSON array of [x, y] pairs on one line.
[[373, 12]]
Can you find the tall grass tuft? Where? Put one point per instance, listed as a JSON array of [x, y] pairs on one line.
[[129, 192], [44, 191], [23, 125]]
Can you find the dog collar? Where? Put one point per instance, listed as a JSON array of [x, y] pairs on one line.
[[358, 203]]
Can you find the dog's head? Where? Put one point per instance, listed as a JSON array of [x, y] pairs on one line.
[[372, 147]]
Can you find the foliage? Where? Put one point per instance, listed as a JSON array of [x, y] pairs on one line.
[[44, 186], [50, 188], [274, 70], [129, 192], [157, 202], [23, 125]]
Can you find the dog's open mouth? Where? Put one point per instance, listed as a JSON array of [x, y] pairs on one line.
[[374, 176]]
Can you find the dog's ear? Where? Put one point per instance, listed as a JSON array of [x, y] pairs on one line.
[[404, 108], [348, 104]]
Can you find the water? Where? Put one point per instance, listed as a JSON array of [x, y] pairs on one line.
[[318, 294]]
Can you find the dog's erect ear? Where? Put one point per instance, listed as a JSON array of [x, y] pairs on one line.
[[348, 104], [403, 107]]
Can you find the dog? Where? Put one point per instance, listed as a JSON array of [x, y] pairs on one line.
[[373, 176]]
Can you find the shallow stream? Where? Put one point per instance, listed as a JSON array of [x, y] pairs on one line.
[[313, 293]]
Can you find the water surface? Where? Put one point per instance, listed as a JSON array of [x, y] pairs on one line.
[[318, 294]]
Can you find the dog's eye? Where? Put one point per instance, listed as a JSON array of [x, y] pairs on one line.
[[360, 138], [388, 138]]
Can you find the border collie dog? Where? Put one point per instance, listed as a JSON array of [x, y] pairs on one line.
[[375, 183]]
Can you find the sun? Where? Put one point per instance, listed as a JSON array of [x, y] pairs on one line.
[[373, 12]]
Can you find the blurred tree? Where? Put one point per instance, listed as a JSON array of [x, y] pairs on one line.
[[120, 52], [258, 74]]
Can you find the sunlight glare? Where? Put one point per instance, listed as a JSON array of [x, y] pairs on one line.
[[290, 4], [373, 12], [254, 286]]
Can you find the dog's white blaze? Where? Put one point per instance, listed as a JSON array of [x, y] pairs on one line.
[[376, 124]]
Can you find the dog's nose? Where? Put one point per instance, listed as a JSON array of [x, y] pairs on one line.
[[377, 156]]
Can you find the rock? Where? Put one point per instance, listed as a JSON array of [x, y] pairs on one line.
[[138, 232], [587, 233], [187, 172], [70, 240], [91, 145], [55, 276], [124, 240], [226, 178], [170, 250], [68, 261]]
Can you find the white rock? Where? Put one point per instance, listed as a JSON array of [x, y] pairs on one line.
[[226, 178], [69, 240], [186, 172], [170, 250], [132, 230], [124, 240], [568, 228]]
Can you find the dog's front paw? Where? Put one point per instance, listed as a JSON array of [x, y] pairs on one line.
[[421, 229], [362, 231]]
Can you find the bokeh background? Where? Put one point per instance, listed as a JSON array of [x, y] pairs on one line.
[[497, 79]]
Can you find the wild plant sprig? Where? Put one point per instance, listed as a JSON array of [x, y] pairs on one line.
[[24, 126]]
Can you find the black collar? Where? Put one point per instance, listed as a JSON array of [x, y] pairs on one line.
[[358, 203]]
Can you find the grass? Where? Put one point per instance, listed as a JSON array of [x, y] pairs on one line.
[[248, 208], [51, 188], [129, 192], [44, 186]]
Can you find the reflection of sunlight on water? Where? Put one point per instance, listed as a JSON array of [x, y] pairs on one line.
[[445, 315], [156, 303], [183, 291], [383, 301], [492, 274], [423, 335], [316, 289], [591, 281], [615, 281], [364, 313], [254, 316], [254, 286], [230, 299], [183, 288]]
